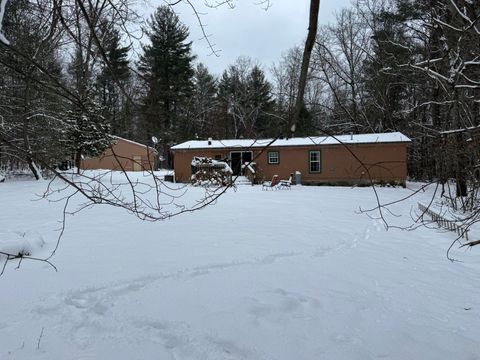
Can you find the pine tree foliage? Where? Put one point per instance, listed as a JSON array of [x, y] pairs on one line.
[[439, 87], [87, 133], [261, 102], [28, 108], [385, 83], [86, 130], [203, 104], [166, 67], [246, 98], [115, 74]]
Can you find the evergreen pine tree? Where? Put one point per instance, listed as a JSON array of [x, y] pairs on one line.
[[224, 112], [166, 67], [386, 89], [115, 74], [261, 104], [27, 108], [245, 98], [203, 104], [87, 131]]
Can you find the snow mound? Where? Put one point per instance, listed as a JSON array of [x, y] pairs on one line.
[[20, 243]]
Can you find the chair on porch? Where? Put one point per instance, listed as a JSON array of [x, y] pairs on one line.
[[272, 184]]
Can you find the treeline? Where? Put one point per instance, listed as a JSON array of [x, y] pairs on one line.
[[410, 66], [68, 78]]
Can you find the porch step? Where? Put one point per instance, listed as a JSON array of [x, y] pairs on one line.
[[242, 180]]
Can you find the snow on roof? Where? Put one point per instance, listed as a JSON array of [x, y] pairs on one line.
[[132, 142], [393, 137]]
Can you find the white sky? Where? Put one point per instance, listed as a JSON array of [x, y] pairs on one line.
[[249, 30]]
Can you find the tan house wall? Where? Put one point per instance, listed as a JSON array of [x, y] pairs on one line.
[[126, 155], [385, 162], [182, 160]]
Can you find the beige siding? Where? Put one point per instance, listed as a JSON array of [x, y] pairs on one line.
[[339, 163], [122, 156]]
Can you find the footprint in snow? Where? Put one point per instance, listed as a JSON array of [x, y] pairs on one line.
[[282, 306], [184, 342]]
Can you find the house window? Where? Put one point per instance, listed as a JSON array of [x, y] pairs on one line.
[[218, 157], [314, 161], [273, 157]]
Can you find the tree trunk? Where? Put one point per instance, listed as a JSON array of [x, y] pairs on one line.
[[26, 124], [78, 159], [461, 165], [307, 52]]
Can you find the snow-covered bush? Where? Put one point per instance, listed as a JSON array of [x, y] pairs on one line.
[[17, 244]]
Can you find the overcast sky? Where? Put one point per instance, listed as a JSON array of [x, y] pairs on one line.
[[249, 30]]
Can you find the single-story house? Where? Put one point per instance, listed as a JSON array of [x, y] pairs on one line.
[[342, 159], [123, 154]]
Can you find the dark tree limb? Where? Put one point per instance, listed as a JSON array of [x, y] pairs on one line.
[[471, 243], [307, 52]]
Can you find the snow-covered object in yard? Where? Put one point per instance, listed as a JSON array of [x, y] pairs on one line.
[[204, 162], [394, 137], [2, 178], [272, 184], [208, 172], [19, 243], [250, 166]]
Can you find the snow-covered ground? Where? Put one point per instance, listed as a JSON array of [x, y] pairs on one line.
[[292, 274]]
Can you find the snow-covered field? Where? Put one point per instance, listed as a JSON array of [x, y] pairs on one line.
[[296, 274]]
